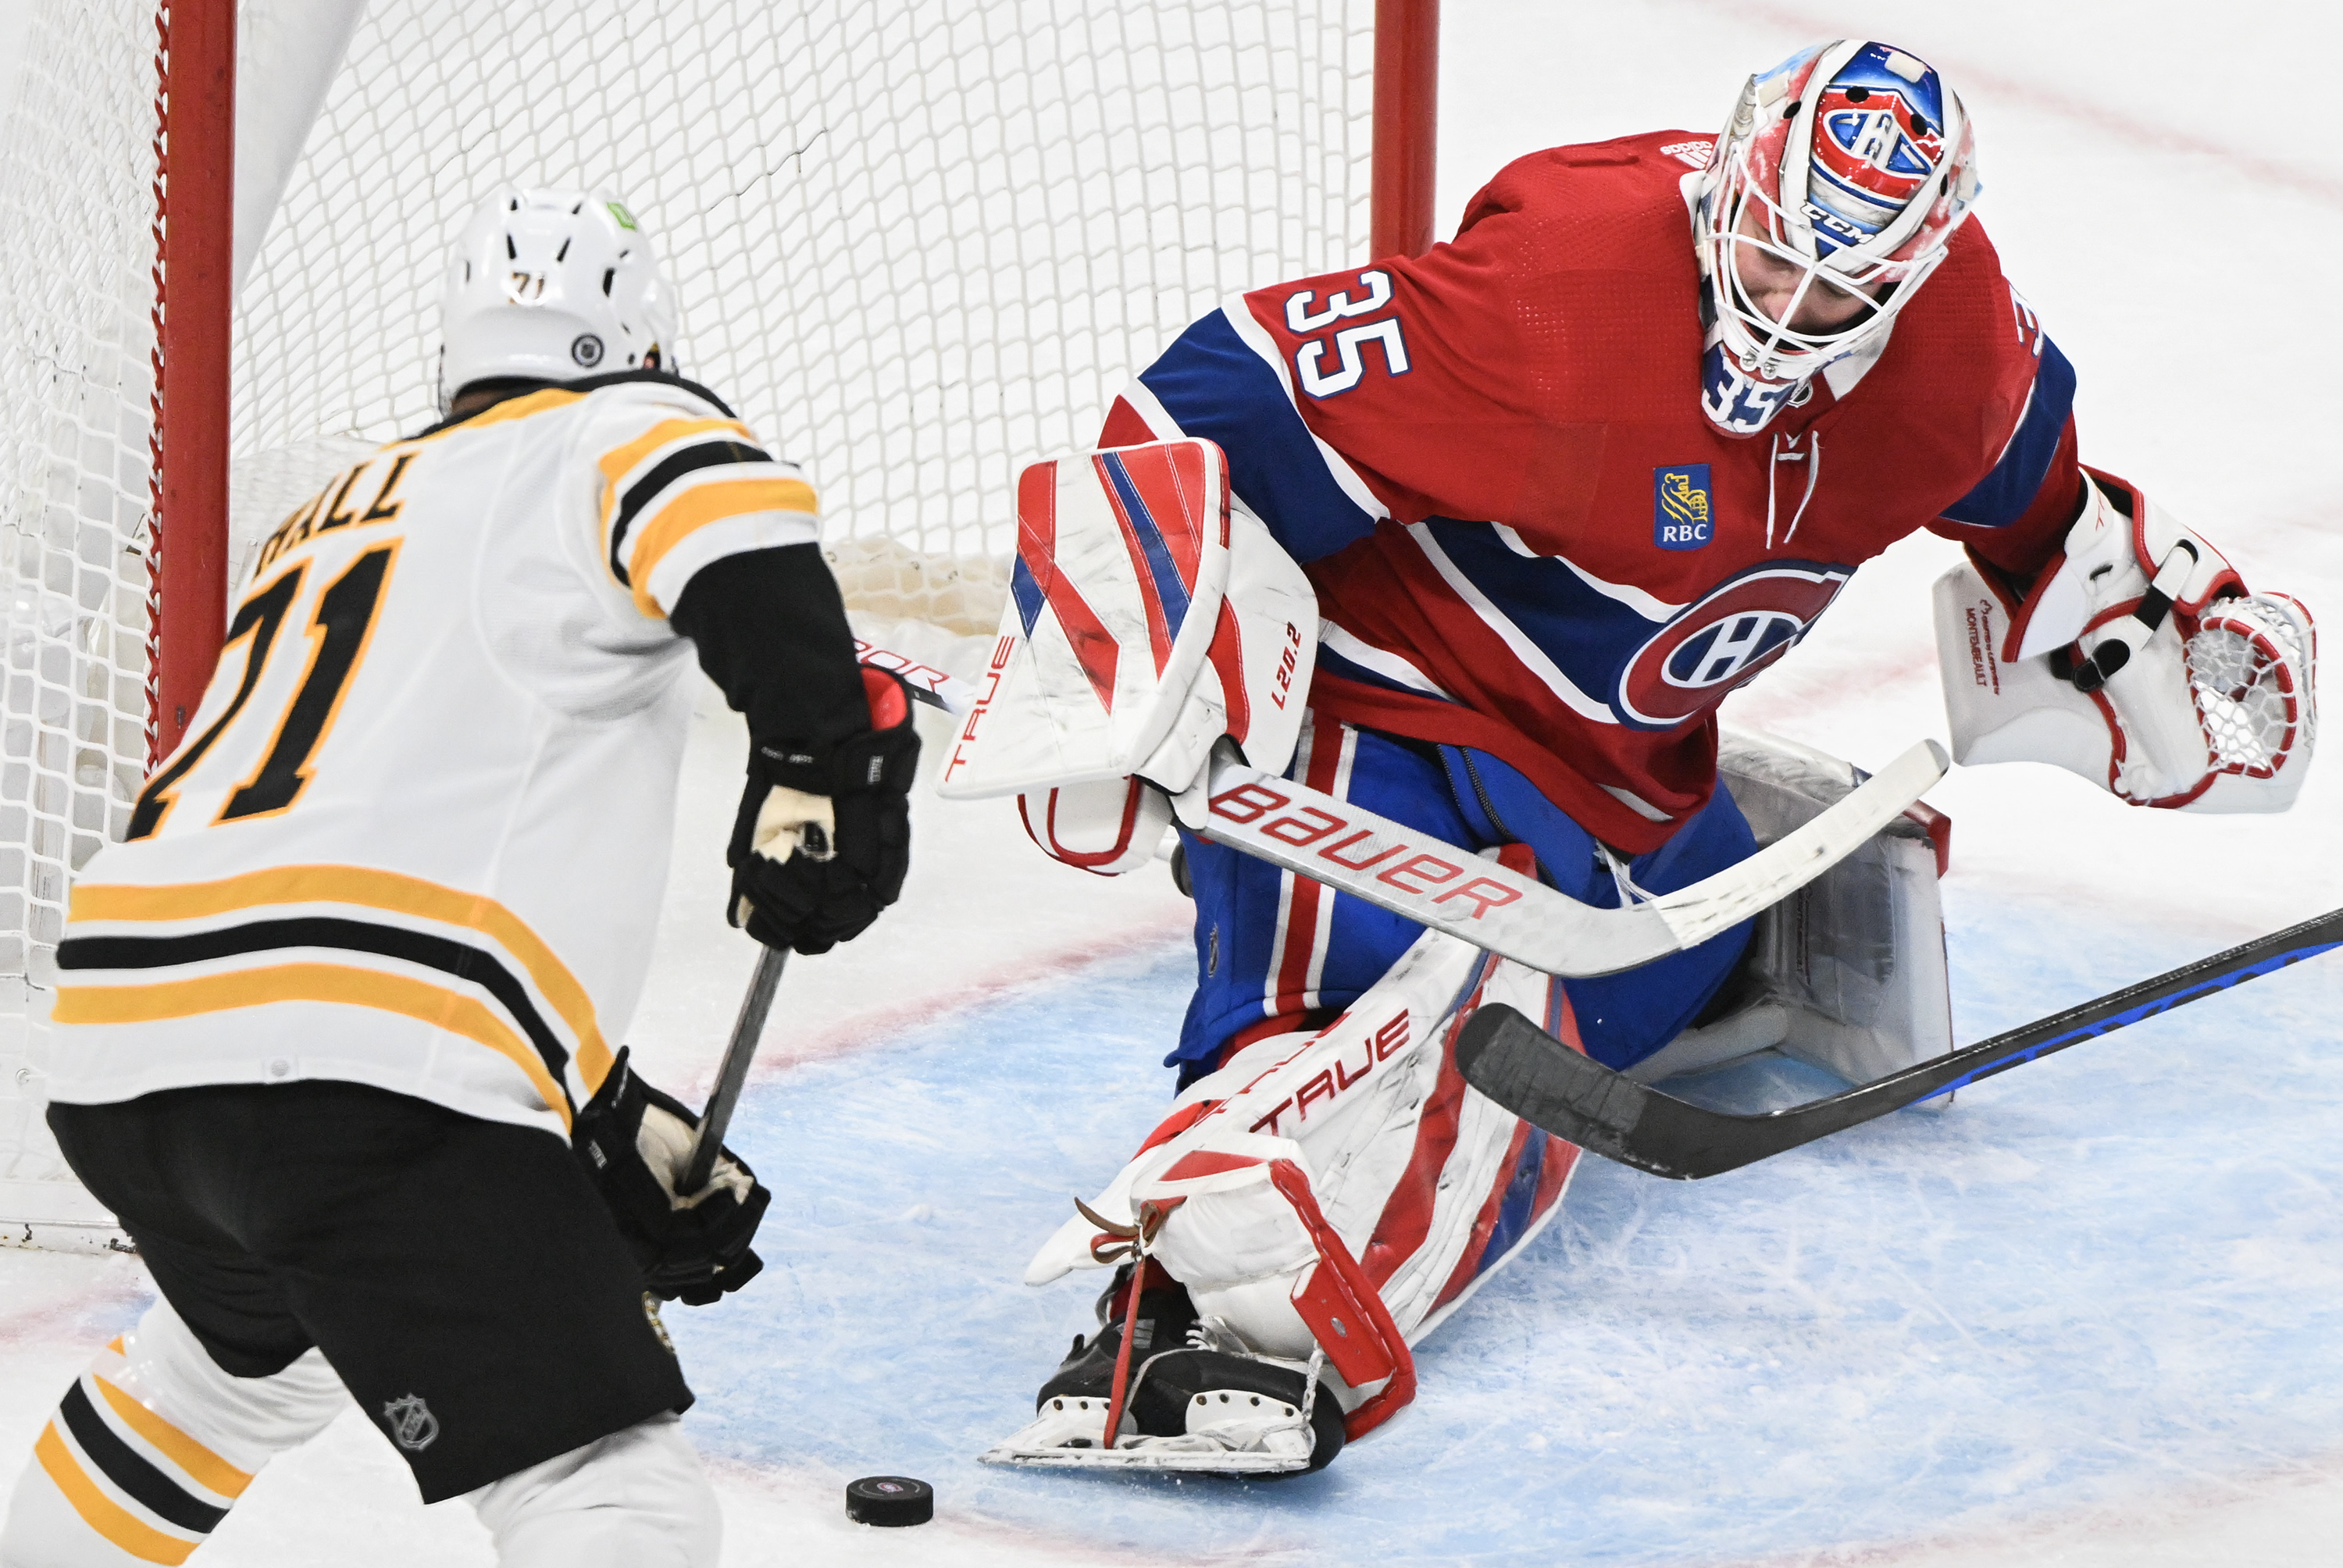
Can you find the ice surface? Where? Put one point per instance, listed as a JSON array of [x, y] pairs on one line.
[[2079, 1287], [2086, 1316]]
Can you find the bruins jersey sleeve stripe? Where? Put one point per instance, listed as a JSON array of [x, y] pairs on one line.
[[391, 892], [689, 491], [130, 1470], [622, 464], [456, 959], [640, 492], [712, 519], [420, 1000]]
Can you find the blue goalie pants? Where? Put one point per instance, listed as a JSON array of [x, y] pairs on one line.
[[1275, 951]]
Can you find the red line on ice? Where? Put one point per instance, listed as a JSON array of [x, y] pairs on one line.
[[66, 1319]]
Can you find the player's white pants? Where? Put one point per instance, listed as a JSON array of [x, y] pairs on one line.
[[1417, 1186], [154, 1444], [635, 1499]]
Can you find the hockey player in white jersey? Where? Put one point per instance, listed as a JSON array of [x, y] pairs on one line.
[[334, 1014]]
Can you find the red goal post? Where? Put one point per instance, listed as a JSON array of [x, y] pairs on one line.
[[914, 245]]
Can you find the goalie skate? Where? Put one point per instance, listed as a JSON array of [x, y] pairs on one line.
[[1203, 1405]]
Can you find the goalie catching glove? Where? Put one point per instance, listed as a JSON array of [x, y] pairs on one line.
[[2136, 659], [635, 1142], [824, 836]]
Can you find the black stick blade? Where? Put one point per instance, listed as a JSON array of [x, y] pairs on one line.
[[1541, 1080], [1548, 1084]]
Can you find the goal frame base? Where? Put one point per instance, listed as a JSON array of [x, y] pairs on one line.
[[59, 1216]]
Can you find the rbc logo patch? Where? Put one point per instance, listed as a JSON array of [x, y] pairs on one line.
[[1680, 508]]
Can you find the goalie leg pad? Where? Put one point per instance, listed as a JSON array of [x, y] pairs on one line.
[[1244, 1233], [1343, 1191], [1848, 974]]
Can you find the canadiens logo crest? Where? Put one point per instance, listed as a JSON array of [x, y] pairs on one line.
[[1680, 516], [1735, 630]]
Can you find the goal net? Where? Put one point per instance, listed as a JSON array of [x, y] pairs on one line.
[[915, 245]]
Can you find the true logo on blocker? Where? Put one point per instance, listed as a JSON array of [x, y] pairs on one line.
[[1681, 513]]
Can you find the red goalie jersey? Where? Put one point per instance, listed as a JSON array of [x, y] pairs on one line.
[[1526, 535]]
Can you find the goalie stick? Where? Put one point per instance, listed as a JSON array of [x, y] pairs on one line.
[[1499, 910], [1545, 1082]]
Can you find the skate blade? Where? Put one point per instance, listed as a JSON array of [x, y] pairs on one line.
[[1212, 1460], [1049, 1441]]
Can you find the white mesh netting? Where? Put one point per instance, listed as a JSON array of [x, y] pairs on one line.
[[2248, 668], [76, 216], [916, 245]]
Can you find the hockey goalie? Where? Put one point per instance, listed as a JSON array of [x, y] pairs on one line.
[[1477, 542]]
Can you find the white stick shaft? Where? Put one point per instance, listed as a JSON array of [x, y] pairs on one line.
[[1435, 884], [1438, 885]]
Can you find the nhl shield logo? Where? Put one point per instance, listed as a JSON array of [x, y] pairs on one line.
[[412, 1425]]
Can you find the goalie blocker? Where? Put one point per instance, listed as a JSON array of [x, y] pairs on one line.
[[1169, 616]]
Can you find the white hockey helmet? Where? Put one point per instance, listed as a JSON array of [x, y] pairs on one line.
[[552, 284], [1852, 162]]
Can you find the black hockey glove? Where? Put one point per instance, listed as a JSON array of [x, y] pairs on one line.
[[635, 1142], [824, 837]]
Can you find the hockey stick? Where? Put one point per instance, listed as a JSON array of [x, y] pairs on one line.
[[1534, 1075], [1501, 911], [746, 1030]]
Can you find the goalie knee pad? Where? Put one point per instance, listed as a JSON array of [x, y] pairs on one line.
[[151, 1445], [1847, 973], [635, 1499]]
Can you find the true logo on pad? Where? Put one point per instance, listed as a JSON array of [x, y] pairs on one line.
[[1681, 516]]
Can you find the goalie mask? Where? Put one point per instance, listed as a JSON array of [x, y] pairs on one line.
[[551, 286], [1851, 163]]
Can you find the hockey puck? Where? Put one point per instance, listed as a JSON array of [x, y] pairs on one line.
[[889, 1500]]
